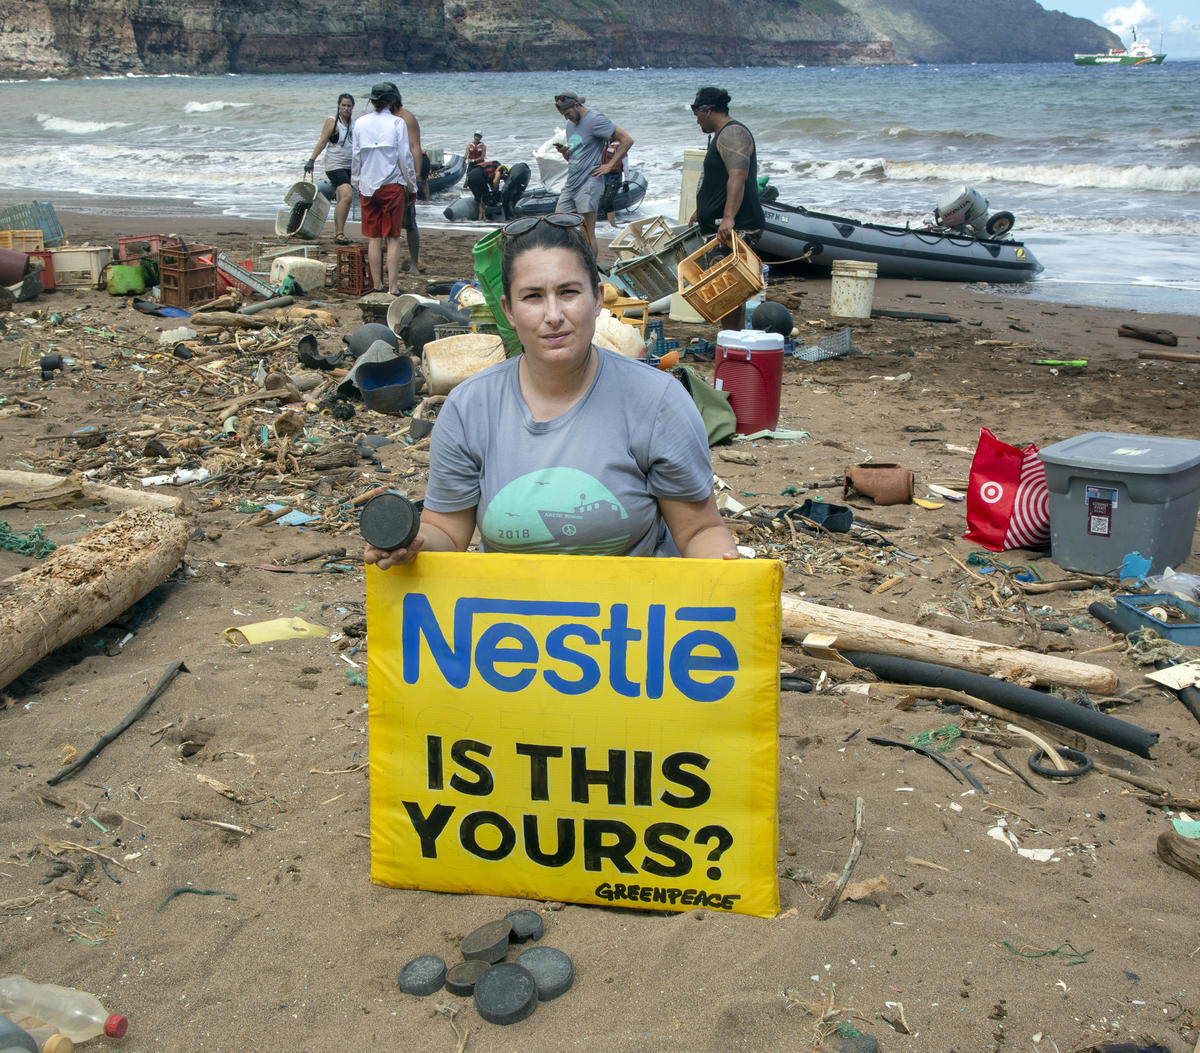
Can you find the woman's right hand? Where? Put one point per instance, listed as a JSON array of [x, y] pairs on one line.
[[393, 557], [309, 165]]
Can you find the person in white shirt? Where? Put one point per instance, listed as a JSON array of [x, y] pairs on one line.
[[382, 171]]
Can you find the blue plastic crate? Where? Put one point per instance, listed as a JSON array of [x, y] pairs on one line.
[[1180, 632], [39, 215]]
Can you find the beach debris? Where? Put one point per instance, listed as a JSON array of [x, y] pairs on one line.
[[84, 585], [293, 628], [1154, 336], [885, 484], [462, 978], [551, 970], [1179, 852], [526, 925], [488, 943], [134, 715], [423, 975], [856, 847], [506, 993]]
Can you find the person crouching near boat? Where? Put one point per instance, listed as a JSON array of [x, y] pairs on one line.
[[382, 171], [336, 141], [566, 447]]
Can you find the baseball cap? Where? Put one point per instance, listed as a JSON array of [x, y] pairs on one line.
[[568, 98], [384, 91]]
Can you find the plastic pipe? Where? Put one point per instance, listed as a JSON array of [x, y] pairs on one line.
[[1023, 700]]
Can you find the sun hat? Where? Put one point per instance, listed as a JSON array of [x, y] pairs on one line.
[[383, 91]]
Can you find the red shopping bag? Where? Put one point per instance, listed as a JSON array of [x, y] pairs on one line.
[[1008, 505]]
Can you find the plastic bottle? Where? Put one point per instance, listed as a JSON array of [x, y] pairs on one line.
[[76, 1014], [47, 1038], [14, 1039], [766, 275]]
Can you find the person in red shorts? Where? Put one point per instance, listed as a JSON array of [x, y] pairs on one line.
[[382, 171]]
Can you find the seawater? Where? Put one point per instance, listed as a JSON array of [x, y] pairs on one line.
[[1100, 166]]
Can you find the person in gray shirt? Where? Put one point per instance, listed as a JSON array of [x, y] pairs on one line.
[[566, 447], [588, 133]]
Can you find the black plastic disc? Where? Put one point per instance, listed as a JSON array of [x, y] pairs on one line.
[[488, 943], [1048, 771], [389, 521], [506, 993], [462, 978], [551, 968], [526, 925], [423, 975]]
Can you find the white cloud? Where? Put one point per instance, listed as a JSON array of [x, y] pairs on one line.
[[1122, 19]]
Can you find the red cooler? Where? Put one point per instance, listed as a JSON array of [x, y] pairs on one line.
[[750, 367]]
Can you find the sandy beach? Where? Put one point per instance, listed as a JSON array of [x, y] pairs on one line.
[[265, 933]]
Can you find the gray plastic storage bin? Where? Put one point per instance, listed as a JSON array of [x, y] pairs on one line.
[[1112, 494]]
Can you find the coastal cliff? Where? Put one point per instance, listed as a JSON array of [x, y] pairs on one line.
[[82, 37]]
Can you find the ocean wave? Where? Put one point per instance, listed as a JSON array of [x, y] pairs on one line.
[[1183, 142], [68, 126], [212, 107], [1184, 179]]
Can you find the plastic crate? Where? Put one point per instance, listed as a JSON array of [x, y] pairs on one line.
[[715, 291], [39, 214], [1185, 630], [640, 238], [353, 272], [147, 245], [187, 276], [649, 278], [80, 264], [22, 240], [47, 258]]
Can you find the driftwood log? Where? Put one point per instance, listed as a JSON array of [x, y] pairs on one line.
[[1179, 852], [856, 631], [1155, 336], [40, 490], [1168, 356], [81, 587]]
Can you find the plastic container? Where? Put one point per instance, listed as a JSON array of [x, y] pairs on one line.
[[388, 386], [46, 1039], [852, 288], [1112, 494], [306, 213], [38, 214], [15, 1039], [448, 362], [46, 256], [125, 278], [76, 1014], [389, 521], [726, 285], [80, 265], [749, 365], [1184, 628], [309, 273], [22, 240], [353, 271]]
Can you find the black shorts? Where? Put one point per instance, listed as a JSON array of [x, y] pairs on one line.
[[338, 176], [425, 165]]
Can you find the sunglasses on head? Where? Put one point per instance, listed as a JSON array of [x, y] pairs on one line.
[[701, 108], [562, 220]]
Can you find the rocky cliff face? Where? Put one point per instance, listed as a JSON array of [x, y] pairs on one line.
[[77, 37]]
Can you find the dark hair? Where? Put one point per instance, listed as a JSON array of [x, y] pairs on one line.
[[548, 236], [717, 98], [336, 134], [346, 95]]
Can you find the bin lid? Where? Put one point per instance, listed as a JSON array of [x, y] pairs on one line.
[[749, 340], [1132, 454]]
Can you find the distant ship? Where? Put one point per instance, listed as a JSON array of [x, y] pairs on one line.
[[1139, 54]]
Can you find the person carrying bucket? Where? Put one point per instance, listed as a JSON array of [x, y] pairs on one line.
[[336, 141]]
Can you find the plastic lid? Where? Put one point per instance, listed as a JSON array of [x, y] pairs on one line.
[[389, 521], [116, 1025], [749, 339], [1119, 452], [58, 1044]]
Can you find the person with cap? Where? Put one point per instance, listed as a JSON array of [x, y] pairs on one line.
[[727, 197], [382, 171], [588, 133], [476, 150]]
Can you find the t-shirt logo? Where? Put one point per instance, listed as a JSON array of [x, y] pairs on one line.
[[556, 510]]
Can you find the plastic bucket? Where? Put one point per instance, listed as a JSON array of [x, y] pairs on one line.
[[388, 386], [306, 213], [749, 365], [852, 288], [124, 278], [486, 256]]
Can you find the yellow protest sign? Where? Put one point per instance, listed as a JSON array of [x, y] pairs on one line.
[[582, 728]]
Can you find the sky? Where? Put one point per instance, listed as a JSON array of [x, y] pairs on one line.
[[1177, 22]]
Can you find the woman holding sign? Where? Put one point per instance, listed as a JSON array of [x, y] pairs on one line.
[[567, 447]]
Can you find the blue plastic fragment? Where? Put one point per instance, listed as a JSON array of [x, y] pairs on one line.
[[1135, 567]]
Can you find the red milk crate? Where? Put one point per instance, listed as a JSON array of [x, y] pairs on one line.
[[187, 276], [47, 258], [353, 272]]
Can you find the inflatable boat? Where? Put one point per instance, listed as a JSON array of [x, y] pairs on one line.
[[514, 200], [945, 253], [447, 174]]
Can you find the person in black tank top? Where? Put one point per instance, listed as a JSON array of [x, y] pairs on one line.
[[727, 198]]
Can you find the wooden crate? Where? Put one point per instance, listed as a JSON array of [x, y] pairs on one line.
[[726, 285]]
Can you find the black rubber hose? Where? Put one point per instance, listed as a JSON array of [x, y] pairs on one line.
[[1023, 700], [1124, 622]]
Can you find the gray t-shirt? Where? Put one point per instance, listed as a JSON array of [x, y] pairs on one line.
[[586, 482], [586, 141]]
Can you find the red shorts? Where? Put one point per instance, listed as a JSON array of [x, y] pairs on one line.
[[383, 212]]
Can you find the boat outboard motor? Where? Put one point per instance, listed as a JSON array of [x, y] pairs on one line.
[[514, 187], [964, 209]]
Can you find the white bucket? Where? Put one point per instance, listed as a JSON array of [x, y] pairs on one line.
[[452, 359], [309, 273], [852, 289]]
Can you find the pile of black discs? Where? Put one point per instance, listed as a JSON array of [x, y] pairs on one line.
[[504, 991]]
